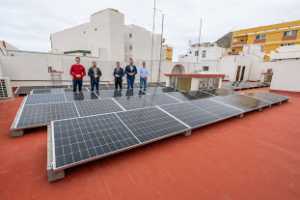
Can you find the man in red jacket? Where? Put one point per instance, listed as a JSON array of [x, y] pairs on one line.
[[78, 72]]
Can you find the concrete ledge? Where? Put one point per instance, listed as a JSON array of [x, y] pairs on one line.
[[17, 133], [188, 133], [55, 176]]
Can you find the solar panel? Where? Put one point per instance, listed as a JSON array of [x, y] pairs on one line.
[[81, 140], [269, 97], [47, 91], [134, 102], [243, 102], [84, 89], [190, 114], [218, 92], [45, 98], [25, 90], [93, 107], [180, 96], [80, 96], [41, 114], [150, 124], [118, 93], [159, 90], [198, 95], [221, 111], [41, 91]]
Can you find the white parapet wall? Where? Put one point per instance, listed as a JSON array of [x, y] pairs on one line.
[[286, 75], [33, 66]]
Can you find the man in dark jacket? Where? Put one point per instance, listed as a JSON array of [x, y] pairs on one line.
[[94, 74], [130, 72], [118, 74]]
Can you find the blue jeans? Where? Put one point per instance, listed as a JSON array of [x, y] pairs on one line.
[[94, 84], [143, 83], [77, 83], [130, 82]]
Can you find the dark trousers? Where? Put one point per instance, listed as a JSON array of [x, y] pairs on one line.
[[94, 84], [130, 82], [77, 83], [118, 83], [143, 84]]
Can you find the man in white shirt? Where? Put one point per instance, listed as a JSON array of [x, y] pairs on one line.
[[144, 73]]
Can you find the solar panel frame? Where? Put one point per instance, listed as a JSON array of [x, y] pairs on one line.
[[53, 156]]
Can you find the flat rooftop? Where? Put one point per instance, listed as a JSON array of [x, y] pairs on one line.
[[255, 157]]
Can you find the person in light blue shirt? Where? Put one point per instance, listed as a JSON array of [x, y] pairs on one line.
[[144, 73]]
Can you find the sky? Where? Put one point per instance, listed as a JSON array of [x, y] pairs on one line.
[[28, 24]]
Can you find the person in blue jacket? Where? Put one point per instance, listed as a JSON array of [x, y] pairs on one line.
[[130, 71]]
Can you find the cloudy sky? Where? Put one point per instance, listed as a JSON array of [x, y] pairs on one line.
[[28, 24]]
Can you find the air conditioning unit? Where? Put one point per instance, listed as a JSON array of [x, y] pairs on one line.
[[5, 88]]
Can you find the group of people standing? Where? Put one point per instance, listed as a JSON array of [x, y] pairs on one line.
[[78, 72]]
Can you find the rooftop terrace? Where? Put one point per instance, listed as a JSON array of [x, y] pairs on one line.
[[255, 157]]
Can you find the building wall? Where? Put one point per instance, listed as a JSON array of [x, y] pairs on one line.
[[107, 37], [70, 39], [274, 37], [211, 59], [286, 75]]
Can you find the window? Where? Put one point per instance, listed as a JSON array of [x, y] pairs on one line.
[[205, 68], [260, 37], [130, 35], [130, 47], [95, 29], [197, 53], [287, 44], [292, 33], [203, 54]]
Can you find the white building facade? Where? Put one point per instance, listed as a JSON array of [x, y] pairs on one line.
[[205, 56], [107, 37]]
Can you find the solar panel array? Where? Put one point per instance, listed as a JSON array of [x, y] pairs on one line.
[[80, 140], [87, 126]]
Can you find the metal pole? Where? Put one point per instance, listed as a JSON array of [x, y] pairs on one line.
[[161, 46], [199, 40], [152, 38]]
